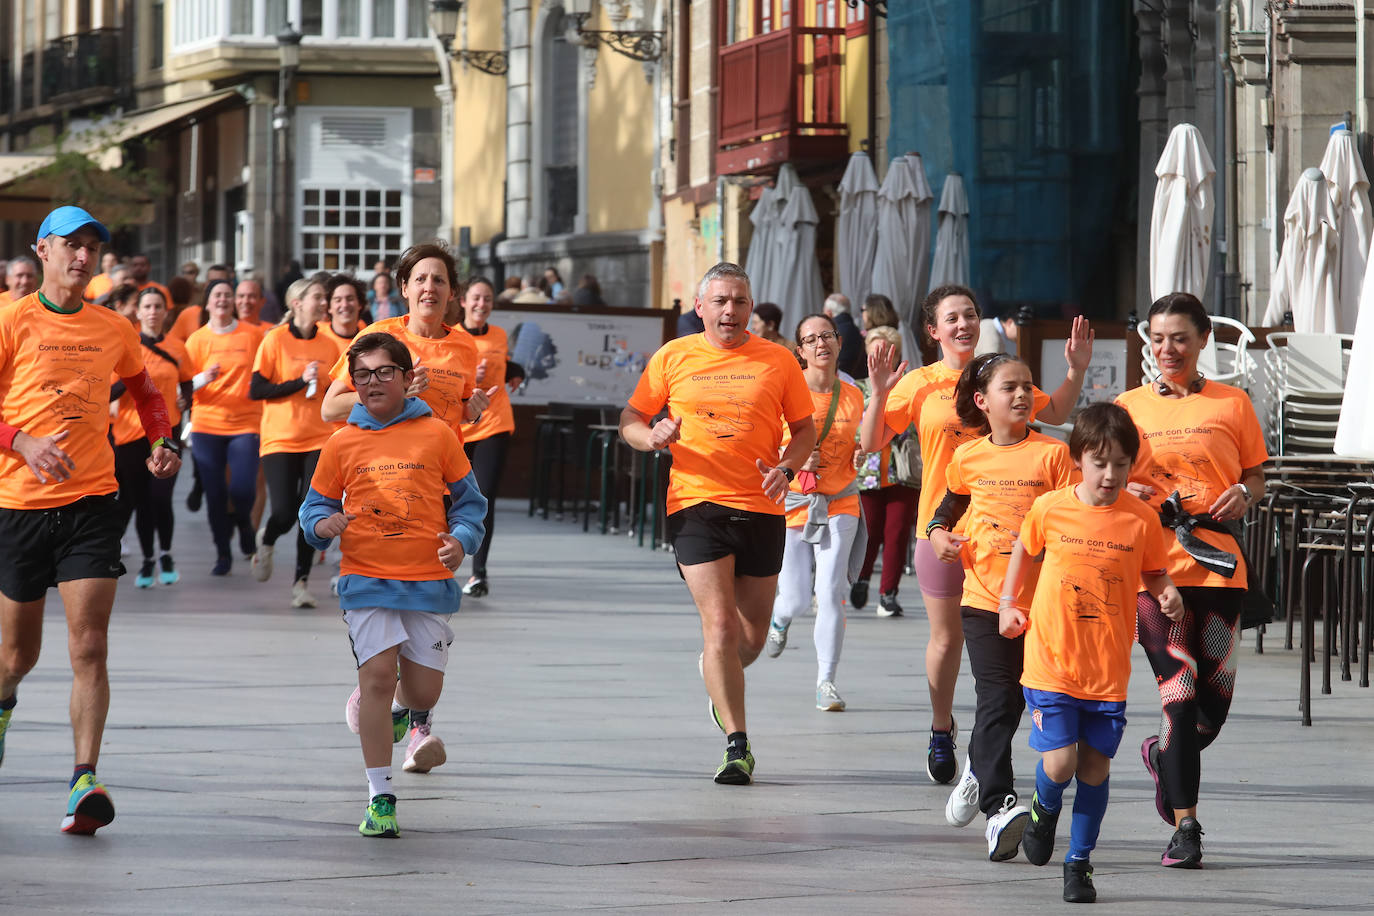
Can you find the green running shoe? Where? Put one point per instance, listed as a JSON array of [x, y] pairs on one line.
[[88, 807], [381, 818], [737, 769], [5, 715]]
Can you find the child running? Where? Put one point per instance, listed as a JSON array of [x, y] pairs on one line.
[[994, 480], [380, 486], [1097, 549]]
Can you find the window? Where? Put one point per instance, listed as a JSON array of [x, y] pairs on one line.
[[157, 34], [350, 18], [417, 19], [383, 18], [312, 17], [561, 179], [351, 228], [240, 17]]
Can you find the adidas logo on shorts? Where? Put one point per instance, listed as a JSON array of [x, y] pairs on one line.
[[438, 646]]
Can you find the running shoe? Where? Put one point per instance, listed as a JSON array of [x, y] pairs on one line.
[[88, 807], [715, 715], [828, 698], [1004, 830], [194, 498], [777, 639], [1149, 752], [476, 587], [223, 564], [144, 579], [1185, 847], [1078, 882], [400, 721], [169, 574], [262, 558], [858, 594], [888, 606], [424, 752], [300, 595], [5, 716], [380, 820], [737, 769], [962, 806], [1038, 841], [941, 764]]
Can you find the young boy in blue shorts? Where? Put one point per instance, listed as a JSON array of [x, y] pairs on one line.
[[381, 486], [1097, 547]]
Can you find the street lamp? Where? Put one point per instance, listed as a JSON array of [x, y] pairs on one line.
[[443, 19], [288, 60]]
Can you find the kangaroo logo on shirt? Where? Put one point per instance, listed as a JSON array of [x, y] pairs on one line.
[[724, 416], [383, 518], [73, 390], [1180, 471], [1088, 592]]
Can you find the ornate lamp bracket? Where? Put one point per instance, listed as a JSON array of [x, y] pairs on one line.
[[639, 44]]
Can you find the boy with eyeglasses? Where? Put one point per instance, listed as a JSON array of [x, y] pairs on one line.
[[380, 486]]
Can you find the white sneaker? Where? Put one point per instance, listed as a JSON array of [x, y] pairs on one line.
[[1004, 830], [424, 752], [300, 595], [962, 806], [262, 559], [777, 639], [828, 698]]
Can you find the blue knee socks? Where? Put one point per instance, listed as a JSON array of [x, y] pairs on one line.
[[1049, 792], [1089, 807]]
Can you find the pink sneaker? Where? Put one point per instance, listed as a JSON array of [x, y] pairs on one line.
[[355, 701], [424, 752]]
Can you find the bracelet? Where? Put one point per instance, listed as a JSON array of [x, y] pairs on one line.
[[934, 525]]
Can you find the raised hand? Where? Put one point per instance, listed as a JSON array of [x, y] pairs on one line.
[[1078, 349], [881, 376], [665, 432]]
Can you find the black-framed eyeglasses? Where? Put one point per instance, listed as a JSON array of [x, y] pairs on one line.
[[381, 373], [810, 340]]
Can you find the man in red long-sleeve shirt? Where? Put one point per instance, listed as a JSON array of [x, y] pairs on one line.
[[58, 518]]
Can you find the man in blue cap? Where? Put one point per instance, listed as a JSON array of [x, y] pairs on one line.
[[58, 520]]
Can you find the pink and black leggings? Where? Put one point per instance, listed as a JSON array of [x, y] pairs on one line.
[[1194, 661]]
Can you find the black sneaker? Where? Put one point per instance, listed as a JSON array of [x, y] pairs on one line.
[[222, 565], [193, 499], [941, 765], [858, 594], [1149, 752], [888, 606], [1037, 843], [1185, 848], [1078, 882]]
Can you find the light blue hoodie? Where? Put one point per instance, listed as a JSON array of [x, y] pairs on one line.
[[466, 514]]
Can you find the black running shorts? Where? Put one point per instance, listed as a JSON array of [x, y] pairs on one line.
[[43, 547], [707, 532]]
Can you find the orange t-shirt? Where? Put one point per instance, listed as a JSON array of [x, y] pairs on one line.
[[732, 404], [451, 361], [1082, 619], [55, 372], [343, 342], [499, 417], [100, 285], [1001, 482], [836, 469], [1198, 445], [186, 323], [127, 426], [292, 423], [223, 407], [926, 397], [394, 480]]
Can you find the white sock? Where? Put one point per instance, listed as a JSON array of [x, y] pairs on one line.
[[378, 782], [396, 708]]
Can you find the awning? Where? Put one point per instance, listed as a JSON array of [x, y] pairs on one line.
[[26, 196]]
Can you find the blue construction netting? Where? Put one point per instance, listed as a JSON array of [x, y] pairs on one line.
[[1033, 102]]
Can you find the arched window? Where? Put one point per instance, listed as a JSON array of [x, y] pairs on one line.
[[561, 120]]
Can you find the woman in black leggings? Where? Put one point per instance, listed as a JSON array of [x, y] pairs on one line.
[[485, 441], [147, 498]]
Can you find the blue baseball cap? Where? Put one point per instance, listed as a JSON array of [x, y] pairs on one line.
[[66, 220]]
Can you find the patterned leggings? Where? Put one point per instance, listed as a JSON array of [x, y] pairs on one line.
[[1194, 661]]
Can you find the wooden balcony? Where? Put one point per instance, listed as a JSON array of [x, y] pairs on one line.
[[781, 100]]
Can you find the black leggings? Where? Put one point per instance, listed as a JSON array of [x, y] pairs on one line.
[[488, 459], [147, 498], [1194, 661], [996, 665], [288, 477]]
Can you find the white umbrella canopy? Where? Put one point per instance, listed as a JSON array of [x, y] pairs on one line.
[[920, 255], [799, 290], [1181, 222], [856, 229], [1349, 187], [1355, 431], [950, 264], [1305, 281], [897, 219]]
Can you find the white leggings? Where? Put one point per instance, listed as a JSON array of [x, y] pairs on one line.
[[830, 559]]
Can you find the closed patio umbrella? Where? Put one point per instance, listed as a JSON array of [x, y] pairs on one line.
[[799, 289], [1349, 187], [756, 261], [856, 229], [1355, 431], [950, 264], [1181, 222], [920, 255], [897, 220], [1305, 281]]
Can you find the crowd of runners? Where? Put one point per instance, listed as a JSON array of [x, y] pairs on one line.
[[382, 443]]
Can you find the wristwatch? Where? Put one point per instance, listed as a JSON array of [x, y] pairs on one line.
[[170, 445], [787, 472], [1249, 497]]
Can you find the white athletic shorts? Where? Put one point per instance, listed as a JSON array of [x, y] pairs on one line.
[[424, 638]]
